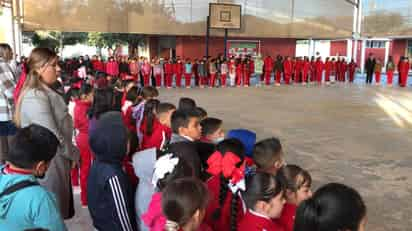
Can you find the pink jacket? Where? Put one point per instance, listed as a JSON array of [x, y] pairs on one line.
[[112, 68], [146, 68], [154, 218]]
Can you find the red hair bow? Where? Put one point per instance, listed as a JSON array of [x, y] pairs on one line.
[[225, 164]]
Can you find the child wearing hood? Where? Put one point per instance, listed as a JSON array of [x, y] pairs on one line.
[[110, 195]]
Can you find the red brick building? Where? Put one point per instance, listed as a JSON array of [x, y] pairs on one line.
[[380, 48]]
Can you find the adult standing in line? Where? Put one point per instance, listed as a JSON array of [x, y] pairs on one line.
[[40, 104], [370, 68], [7, 86]]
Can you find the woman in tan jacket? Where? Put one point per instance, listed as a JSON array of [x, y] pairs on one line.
[[40, 104]]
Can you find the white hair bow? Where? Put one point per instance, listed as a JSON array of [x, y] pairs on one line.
[[164, 165], [239, 186]]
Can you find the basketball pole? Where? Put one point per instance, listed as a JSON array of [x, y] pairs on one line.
[[225, 41], [207, 36]]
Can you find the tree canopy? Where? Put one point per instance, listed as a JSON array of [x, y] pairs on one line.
[[57, 39]]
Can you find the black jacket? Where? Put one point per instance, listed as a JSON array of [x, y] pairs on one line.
[[370, 65], [110, 195]]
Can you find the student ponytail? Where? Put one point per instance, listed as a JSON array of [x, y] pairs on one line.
[[233, 211], [333, 207], [85, 89], [222, 196], [308, 214], [229, 147], [149, 113]]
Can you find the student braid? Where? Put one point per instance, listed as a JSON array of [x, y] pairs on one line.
[[233, 211], [222, 196]]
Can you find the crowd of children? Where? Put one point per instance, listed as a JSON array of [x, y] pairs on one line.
[[161, 167], [150, 165], [233, 71]]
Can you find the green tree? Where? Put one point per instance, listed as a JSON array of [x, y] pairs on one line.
[[110, 40], [56, 39]]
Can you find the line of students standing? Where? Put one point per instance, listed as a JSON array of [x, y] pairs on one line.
[[212, 72], [205, 71], [303, 70], [373, 65]]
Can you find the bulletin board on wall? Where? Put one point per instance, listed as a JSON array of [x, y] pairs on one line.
[[239, 48]]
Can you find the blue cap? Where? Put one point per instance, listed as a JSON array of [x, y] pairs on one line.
[[247, 137]]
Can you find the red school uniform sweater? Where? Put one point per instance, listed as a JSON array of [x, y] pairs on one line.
[[159, 137], [98, 65], [81, 120], [128, 120], [253, 221], [287, 218], [223, 222]]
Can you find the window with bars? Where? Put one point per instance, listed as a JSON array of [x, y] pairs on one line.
[[409, 48], [375, 44]]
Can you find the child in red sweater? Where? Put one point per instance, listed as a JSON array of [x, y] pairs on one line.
[[297, 183], [127, 109], [226, 166], [156, 126], [212, 131], [264, 199], [128, 84], [147, 93], [268, 155], [81, 123]]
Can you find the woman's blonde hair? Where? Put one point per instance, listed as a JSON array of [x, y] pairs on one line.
[[38, 58]]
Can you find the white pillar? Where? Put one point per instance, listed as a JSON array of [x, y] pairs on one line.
[[387, 43], [362, 61], [360, 16], [13, 33], [21, 13], [355, 32], [310, 51], [348, 50], [314, 48], [355, 51]]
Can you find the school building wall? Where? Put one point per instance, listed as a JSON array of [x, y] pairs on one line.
[[195, 46], [338, 47], [397, 48]]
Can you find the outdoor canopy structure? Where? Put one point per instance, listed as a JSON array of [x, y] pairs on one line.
[[261, 18], [318, 19], [300, 19]]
